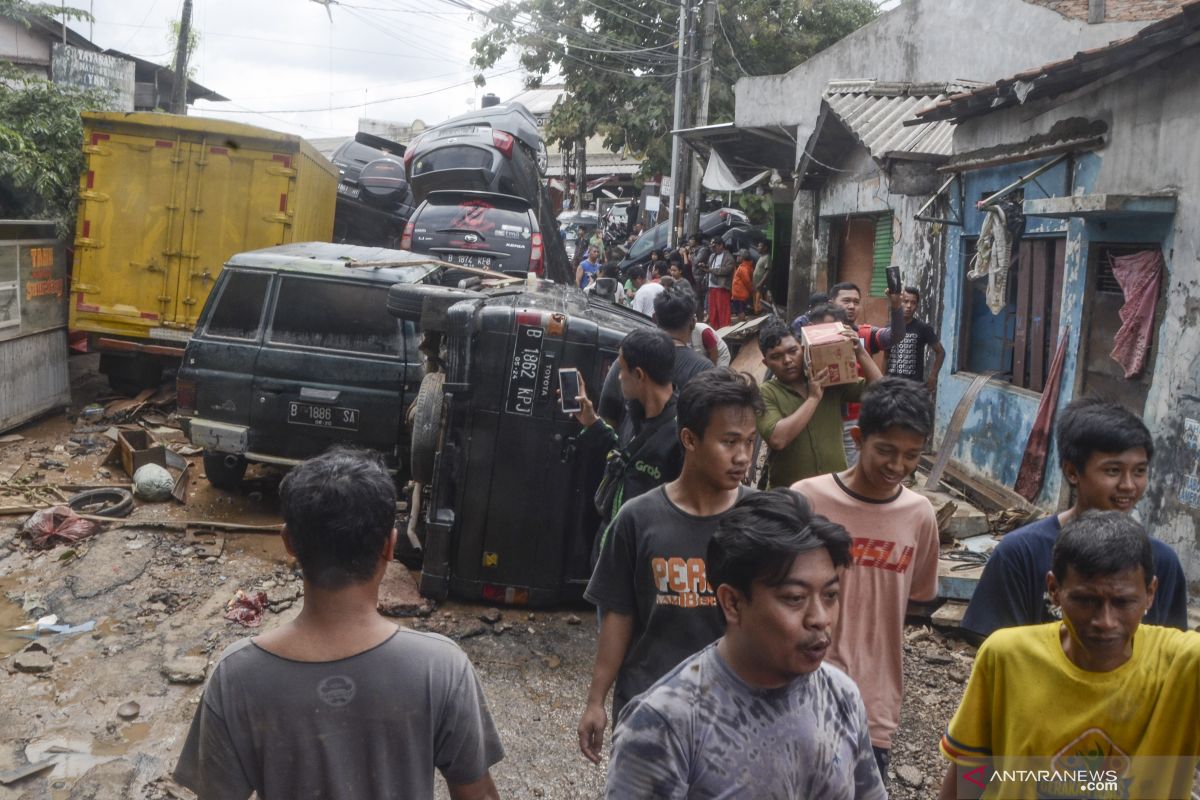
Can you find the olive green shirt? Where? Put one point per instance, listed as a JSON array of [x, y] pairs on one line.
[[816, 450]]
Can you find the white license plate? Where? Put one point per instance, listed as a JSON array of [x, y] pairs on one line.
[[348, 191], [479, 262], [345, 419]]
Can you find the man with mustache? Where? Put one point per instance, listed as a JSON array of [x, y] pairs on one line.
[[757, 714], [1105, 452]]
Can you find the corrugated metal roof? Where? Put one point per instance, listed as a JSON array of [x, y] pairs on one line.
[[875, 113], [1085, 67]]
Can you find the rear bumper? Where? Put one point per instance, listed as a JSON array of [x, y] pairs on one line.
[[219, 437]]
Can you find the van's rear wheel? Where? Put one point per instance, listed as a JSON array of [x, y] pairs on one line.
[[427, 424], [224, 470]]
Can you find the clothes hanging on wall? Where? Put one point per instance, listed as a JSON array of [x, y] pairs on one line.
[[993, 256], [1140, 276]]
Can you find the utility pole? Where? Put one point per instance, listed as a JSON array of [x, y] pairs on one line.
[[580, 171], [672, 209], [179, 95], [708, 31]]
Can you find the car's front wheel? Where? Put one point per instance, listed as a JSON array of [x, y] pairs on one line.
[[224, 470], [427, 425]]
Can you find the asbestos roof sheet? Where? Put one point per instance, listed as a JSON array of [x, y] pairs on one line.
[[875, 113], [1151, 43]]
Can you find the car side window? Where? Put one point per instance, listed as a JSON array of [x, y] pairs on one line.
[[238, 310], [335, 316]]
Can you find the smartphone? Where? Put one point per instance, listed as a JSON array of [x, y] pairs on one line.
[[568, 389], [893, 279]]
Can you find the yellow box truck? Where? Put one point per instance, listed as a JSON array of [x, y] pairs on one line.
[[164, 202]]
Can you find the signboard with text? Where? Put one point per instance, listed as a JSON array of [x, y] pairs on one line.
[[85, 69]]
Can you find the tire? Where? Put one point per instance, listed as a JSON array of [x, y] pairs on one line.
[[118, 502], [421, 302], [222, 475], [427, 426]]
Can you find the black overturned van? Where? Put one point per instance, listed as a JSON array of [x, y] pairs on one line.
[[295, 351], [506, 506]]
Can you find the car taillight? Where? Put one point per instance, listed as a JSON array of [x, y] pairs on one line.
[[503, 142], [535, 255], [185, 397], [409, 153], [406, 239]]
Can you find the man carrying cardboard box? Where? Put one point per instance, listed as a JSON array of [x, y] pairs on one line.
[[802, 424]]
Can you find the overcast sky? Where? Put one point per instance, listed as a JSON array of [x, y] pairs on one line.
[[285, 60]]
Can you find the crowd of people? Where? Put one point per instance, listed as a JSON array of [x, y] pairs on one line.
[[750, 639]]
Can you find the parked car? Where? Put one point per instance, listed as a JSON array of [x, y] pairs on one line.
[[374, 199], [506, 513], [712, 223], [498, 150], [477, 229], [295, 351], [569, 223]]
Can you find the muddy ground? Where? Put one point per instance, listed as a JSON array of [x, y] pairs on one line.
[[158, 598]]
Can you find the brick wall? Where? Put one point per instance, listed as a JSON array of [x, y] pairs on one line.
[[1115, 10]]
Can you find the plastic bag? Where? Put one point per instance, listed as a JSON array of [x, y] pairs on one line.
[[153, 483], [48, 526]]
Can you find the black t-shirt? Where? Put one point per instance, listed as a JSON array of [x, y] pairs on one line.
[[652, 568], [906, 358], [688, 364]]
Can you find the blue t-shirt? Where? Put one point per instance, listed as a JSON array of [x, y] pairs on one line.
[[589, 272], [1012, 590]]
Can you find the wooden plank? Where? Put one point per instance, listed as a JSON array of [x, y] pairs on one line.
[[957, 579], [1038, 311], [985, 495], [1059, 261], [1020, 339]]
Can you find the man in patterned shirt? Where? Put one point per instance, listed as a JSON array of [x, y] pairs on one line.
[[757, 714], [906, 359]]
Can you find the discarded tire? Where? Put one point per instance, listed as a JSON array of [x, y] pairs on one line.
[[427, 424], [116, 502]]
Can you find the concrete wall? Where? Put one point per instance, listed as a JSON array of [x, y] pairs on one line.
[[1151, 116], [918, 247]]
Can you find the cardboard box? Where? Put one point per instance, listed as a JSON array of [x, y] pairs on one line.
[[827, 346], [138, 448]]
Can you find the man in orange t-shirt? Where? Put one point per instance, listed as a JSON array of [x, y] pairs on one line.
[[895, 551]]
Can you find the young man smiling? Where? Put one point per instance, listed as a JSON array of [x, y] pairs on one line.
[[802, 421], [1105, 452], [1096, 691], [757, 714], [657, 605], [895, 550]]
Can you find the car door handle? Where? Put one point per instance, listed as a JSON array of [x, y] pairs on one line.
[[319, 395], [274, 387]]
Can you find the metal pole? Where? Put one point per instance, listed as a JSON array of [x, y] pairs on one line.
[[704, 68], [672, 212]]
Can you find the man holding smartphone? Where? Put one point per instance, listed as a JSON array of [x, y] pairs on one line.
[[642, 449]]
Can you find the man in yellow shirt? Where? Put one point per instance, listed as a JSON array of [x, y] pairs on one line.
[[1092, 706]]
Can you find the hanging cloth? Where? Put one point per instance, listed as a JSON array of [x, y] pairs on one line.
[[1140, 276], [1033, 463], [993, 256]]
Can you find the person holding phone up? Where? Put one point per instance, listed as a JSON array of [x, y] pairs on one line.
[[642, 451]]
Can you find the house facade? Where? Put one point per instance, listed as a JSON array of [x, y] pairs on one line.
[[1093, 162]]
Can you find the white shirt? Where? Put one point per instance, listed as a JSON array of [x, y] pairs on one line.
[[723, 356], [643, 299]]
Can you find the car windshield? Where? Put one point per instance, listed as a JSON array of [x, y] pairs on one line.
[[653, 239]]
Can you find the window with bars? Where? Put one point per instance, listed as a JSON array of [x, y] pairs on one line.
[[1019, 342]]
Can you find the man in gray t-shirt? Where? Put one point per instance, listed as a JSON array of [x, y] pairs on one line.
[[340, 702], [757, 715]]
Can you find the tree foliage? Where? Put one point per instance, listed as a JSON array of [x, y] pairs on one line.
[[41, 135], [618, 58]]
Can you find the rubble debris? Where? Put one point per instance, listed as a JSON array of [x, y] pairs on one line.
[[491, 616], [910, 776], [33, 660], [398, 594], [187, 669], [941, 659], [129, 710], [11, 438], [19, 773], [572, 619], [246, 609], [152, 483], [50, 525]]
